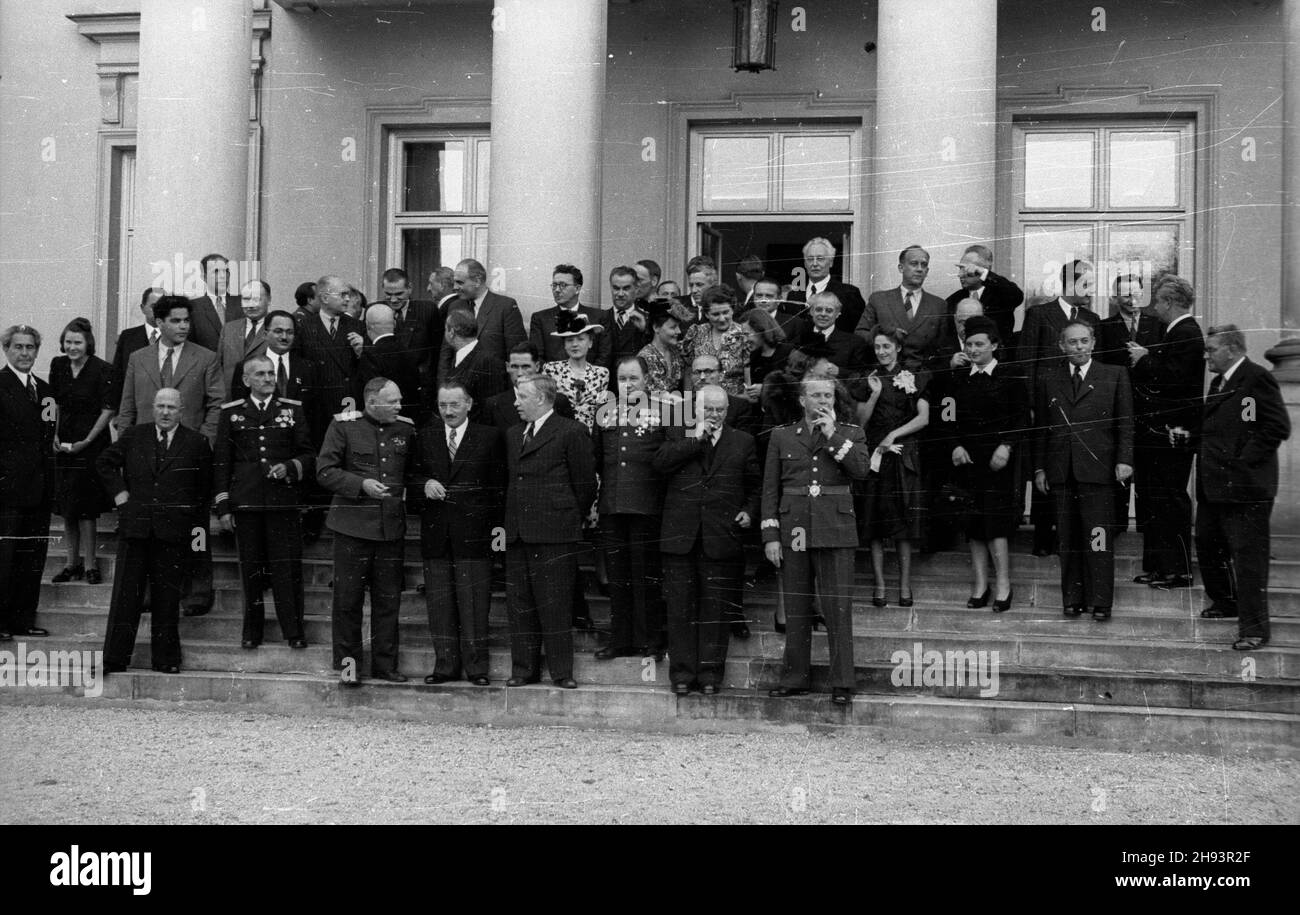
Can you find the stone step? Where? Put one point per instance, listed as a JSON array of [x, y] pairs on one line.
[[650, 708]]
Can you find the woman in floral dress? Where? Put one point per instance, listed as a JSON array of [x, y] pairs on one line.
[[663, 354], [720, 336], [586, 385]]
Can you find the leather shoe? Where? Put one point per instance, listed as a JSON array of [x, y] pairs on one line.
[[1147, 578], [609, 653], [841, 697], [1101, 614], [481, 681], [566, 683], [167, 669], [1072, 612], [298, 644], [708, 689], [740, 630], [974, 603], [391, 676], [1170, 582], [196, 611], [781, 692], [522, 681], [94, 577], [35, 632], [681, 689], [435, 679], [1216, 612], [1002, 606], [249, 644], [1249, 643]]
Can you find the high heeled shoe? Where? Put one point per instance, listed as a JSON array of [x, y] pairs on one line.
[[879, 601], [974, 603], [904, 601], [1002, 606]]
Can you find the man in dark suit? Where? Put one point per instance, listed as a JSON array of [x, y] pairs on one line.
[[766, 295], [818, 258], [627, 327], [418, 329], [500, 409], [245, 336], [810, 533], [482, 374], [851, 353], [213, 309], [566, 287], [1038, 349], [263, 453], [500, 325], [1168, 375], [460, 508], [551, 486], [294, 377], [134, 338], [1244, 423], [921, 315], [384, 356], [711, 500], [707, 370], [29, 419], [999, 296], [626, 437], [1084, 447], [160, 476]]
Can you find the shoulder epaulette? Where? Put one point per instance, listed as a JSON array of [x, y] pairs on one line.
[[406, 419], [296, 403], [347, 416], [233, 403]]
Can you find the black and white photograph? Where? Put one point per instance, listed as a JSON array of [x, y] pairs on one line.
[[651, 412]]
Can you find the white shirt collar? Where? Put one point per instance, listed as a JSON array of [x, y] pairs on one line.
[[325, 318], [537, 423], [986, 370], [481, 296], [1083, 369], [1232, 368], [170, 434], [818, 287], [1066, 307], [457, 432], [905, 292], [22, 376], [380, 337], [162, 353], [1176, 320], [261, 405], [464, 351]]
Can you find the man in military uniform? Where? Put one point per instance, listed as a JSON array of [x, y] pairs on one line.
[[263, 452], [367, 460], [810, 532]]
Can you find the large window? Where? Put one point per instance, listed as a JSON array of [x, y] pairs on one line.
[[437, 199], [1118, 194], [767, 190]]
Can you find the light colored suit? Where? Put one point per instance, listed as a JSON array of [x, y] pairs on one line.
[[885, 308], [197, 375], [233, 351]]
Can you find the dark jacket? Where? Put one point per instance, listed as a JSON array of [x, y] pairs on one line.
[[168, 501], [249, 443], [27, 462], [1082, 440], [1242, 428], [464, 523], [551, 484], [703, 493], [1169, 380]]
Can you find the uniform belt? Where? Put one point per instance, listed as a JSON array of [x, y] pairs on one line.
[[816, 489]]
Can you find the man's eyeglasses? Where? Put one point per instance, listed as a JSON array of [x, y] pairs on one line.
[[558, 286]]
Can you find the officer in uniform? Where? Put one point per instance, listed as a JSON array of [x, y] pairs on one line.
[[810, 533], [263, 452], [367, 460]]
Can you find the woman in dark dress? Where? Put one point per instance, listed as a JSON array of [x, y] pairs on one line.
[[895, 495], [990, 419], [768, 350], [83, 386]]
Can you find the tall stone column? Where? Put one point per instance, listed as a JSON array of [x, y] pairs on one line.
[[192, 139], [548, 91], [935, 145], [1286, 355]]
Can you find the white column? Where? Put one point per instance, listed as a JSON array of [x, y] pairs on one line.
[[192, 138], [548, 89], [935, 140]]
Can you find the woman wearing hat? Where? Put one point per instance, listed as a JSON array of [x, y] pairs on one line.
[[663, 354], [586, 385], [989, 419]]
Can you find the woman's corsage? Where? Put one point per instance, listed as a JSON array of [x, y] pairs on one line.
[[905, 381]]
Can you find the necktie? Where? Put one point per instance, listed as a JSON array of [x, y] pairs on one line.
[[167, 368], [333, 326], [451, 444], [1216, 385], [1078, 380], [528, 434], [160, 453], [153, 336], [31, 390], [252, 332], [1074, 312], [621, 320], [281, 377], [1133, 330], [911, 306]]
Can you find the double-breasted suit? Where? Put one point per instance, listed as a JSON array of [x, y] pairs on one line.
[[550, 487], [925, 331], [252, 439], [500, 325], [28, 485], [1081, 439], [706, 486], [456, 542], [808, 508], [168, 488], [1244, 423]]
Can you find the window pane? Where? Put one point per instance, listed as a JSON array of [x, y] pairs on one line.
[[1047, 249], [425, 249], [1143, 170], [735, 173], [815, 173], [434, 177], [1058, 170], [483, 153], [1148, 251]]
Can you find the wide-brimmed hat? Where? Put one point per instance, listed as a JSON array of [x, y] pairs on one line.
[[570, 324]]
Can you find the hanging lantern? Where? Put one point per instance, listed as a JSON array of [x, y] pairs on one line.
[[755, 47]]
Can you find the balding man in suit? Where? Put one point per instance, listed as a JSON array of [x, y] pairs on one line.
[[500, 325], [909, 308], [244, 337], [818, 258]]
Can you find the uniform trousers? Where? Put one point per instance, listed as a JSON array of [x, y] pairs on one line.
[[160, 565], [378, 564], [539, 591], [458, 596], [827, 574], [700, 593], [636, 604], [24, 542], [1085, 523], [1232, 546], [1164, 508], [270, 556]]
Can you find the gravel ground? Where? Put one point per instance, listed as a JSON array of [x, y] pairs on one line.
[[71, 765]]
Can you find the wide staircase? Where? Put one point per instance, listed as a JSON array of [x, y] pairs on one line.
[[1155, 676]]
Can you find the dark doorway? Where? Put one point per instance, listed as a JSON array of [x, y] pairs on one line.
[[778, 244]]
